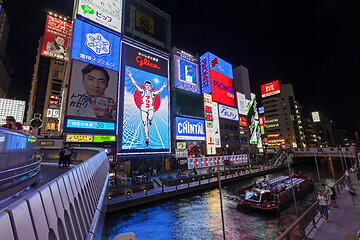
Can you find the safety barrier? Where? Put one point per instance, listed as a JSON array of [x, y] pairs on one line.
[[71, 206]]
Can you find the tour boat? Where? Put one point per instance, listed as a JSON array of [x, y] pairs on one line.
[[274, 194]]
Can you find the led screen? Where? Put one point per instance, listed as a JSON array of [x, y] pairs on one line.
[[222, 88], [106, 13], [270, 89], [96, 46], [56, 37], [145, 121], [104, 138], [92, 92], [186, 71], [227, 112], [79, 138], [189, 129], [76, 125]]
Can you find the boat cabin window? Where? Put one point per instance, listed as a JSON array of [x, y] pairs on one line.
[[253, 196]]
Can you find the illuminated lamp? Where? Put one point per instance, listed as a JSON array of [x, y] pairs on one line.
[[50, 13], [55, 15], [65, 19]]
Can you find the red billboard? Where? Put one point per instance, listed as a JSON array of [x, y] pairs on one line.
[[56, 37], [242, 121], [222, 88], [270, 89]]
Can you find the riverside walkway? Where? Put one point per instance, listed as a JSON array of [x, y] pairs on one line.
[[344, 221]]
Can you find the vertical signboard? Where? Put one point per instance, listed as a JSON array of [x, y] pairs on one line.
[[56, 37], [216, 79], [241, 103], [209, 125], [145, 119], [216, 124], [315, 116], [186, 71], [106, 13], [96, 46], [253, 120]]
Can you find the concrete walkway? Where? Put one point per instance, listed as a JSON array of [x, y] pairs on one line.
[[344, 221]]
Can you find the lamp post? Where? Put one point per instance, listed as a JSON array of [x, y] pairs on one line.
[[292, 188], [221, 203]]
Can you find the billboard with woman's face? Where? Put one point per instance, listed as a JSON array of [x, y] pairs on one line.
[[92, 92]]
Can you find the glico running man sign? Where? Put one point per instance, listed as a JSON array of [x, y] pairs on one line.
[[145, 119]]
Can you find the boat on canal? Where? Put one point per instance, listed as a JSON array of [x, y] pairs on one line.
[[274, 194]]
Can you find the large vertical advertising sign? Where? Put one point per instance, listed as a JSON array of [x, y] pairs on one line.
[[96, 46], [56, 37], [145, 122], [241, 103], [92, 92], [186, 71], [270, 89], [216, 79], [106, 13], [253, 121], [216, 124], [209, 125]]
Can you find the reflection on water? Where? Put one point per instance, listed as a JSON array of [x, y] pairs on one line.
[[198, 216]]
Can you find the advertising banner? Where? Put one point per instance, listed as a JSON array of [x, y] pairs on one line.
[[242, 121], [145, 122], [189, 129], [92, 92], [12, 107], [315, 116], [186, 71], [216, 124], [253, 120], [228, 112], [241, 103], [216, 79], [79, 138], [209, 125], [96, 46], [106, 13], [56, 37], [270, 89], [213, 161], [76, 125], [261, 110]]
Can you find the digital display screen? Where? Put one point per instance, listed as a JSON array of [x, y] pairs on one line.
[[189, 129], [104, 138], [92, 92], [96, 46], [88, 126], [261, 110], [186, 71], [270, 89], [315, 116], [228, 112], [79, 138], [146, 116], [106, 13], [56, 37]]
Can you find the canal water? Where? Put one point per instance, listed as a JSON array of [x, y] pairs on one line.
[[198, 215]]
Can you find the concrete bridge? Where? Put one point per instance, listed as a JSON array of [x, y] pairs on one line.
[[348, 152]]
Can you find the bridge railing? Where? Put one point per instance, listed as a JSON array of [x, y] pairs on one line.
[[341, 151], [69, 207], [308, 219]]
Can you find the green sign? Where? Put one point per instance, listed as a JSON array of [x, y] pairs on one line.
[[104, 138]]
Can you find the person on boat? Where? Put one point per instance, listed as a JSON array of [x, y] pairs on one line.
[[293, 174], [301, 174]]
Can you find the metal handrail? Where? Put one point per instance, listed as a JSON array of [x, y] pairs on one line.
[[15, 169], [21, 174], [298, 222], [38, 163]]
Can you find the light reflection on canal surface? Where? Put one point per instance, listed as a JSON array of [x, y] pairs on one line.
[[198, 216]]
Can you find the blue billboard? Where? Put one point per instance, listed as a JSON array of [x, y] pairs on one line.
[[76, 125], [189, 129], [96, 46]]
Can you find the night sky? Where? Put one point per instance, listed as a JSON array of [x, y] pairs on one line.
[[314, 45]]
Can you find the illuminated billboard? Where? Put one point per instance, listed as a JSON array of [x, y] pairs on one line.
[[11, 107], [242, 121], [148, 24], [216, 124], [76, 125], [229, 113], [253, 121], [216, 79], [270, 89], [209, 125], [56, 37], [315, 116], [106, 13], [241, 103], [189, 129], [261, 110], [145, 120], [96, 46], [92, 92], [79, 138], [186, 71]]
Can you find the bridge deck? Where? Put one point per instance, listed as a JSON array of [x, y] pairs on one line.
[[344, 221], [48, 172]]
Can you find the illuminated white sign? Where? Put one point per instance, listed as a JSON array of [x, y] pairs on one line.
[[11, 107], [228, 112], [241, 103], [315, 116]]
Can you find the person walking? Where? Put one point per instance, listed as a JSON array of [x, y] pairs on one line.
[[331, 194], [61, 156], [323, 206], [352, 193], [67, 155]]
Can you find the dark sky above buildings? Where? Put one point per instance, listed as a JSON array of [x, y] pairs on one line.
[[314, 45]]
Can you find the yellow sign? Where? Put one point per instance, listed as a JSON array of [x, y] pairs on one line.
[[144, 22], [180, 146], [79, 138], [262, 130]]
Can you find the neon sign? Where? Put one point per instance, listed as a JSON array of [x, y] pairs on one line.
[[146, 62]]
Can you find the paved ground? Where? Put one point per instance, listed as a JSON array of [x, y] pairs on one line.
[[344, 221]]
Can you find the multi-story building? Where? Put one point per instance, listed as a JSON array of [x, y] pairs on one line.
[[310, 137], [49, 71], [5, 65], [282, 116]]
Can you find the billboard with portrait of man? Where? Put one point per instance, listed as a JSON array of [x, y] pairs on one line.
[[92, 92], [145, 121], [56, 37]]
